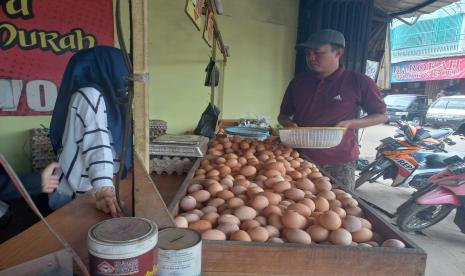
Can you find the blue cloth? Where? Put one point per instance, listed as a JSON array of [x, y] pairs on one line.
[[102, 68]]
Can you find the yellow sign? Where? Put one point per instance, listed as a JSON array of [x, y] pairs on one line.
[[194, 11]]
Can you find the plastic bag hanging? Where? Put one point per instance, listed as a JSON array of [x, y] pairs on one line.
[[210, 67]]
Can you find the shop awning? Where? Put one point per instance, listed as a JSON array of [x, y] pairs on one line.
[[410, 8]]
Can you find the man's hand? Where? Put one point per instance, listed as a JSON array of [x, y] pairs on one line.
[[344, 124], [286, 121], [106, 201], [49, 181]]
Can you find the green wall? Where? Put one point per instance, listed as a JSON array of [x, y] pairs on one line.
[[261, 35]]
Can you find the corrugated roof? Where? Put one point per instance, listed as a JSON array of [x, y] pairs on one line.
[[410, 8]]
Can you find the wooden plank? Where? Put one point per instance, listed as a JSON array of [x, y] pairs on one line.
[[168, 185], [148, 201], [250, 258], [74, 220], [141, 90]]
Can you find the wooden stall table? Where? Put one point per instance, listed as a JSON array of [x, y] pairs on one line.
[[74, 220]]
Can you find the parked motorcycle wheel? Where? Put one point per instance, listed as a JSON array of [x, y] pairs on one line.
[[416, 217]]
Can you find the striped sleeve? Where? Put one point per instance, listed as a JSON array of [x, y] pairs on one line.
[[94, 140]]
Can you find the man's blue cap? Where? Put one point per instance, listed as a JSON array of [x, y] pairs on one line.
[[322, 37]]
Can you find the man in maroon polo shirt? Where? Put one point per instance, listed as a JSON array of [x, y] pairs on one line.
[[329, 96]]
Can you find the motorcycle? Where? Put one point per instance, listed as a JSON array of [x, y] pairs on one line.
[[444, 193], [410, 158]]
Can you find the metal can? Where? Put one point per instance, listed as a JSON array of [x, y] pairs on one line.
[[123, 246], [179, 252]]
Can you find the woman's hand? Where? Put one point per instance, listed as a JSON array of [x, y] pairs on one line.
[[49, 181], [105, 200]]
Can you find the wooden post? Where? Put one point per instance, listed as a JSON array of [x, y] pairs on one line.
[[141, 93]]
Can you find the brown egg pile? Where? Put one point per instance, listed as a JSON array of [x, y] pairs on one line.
[[250, 190]]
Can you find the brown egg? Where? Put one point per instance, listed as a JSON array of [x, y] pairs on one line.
[[253, 191], [272, 173], [281, 186], [213, 234], [224, 170], [228, 228], [271, 209], [322, 185], [300, 208], [270, 182], [351, 223], [330, 220], [197, 212], [235, 202], [204, 163], [181, 222], [362, 235], [349, 202], [340, 237], [245, 212], [201, 196], [295, 175], [297, 236], [292, 219], [273, 198], [318, 233], [200, 225], [328, 195], [259, 202], [240, 236], [309, 203], [261, 220], [321, 204], [227, 182], [259, 234], [191, 217], [211, 217], [248, 171], [393, 243], [366, 223], [294, 194], [354, 211], [216, 202], [242, 182], [242, 161], [305, 184], [341, 212], [213, 173], [194, 188], [272, 231], [238, 189], [314, 175], [188, 203], [275, 240], [214, 188], [335, 204], [228, 218], [275, 220], [249, 223], [373, 243], [225, 194], [209, 209], [232, 162]]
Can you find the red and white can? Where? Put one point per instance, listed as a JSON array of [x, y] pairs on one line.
[[123, 246], [179, 252]]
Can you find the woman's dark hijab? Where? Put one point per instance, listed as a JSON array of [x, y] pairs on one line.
[[102, 68]]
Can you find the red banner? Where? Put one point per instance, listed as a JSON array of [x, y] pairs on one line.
[[425, 70], [37, 38]]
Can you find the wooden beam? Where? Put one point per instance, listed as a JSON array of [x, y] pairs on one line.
[[141, 92]]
